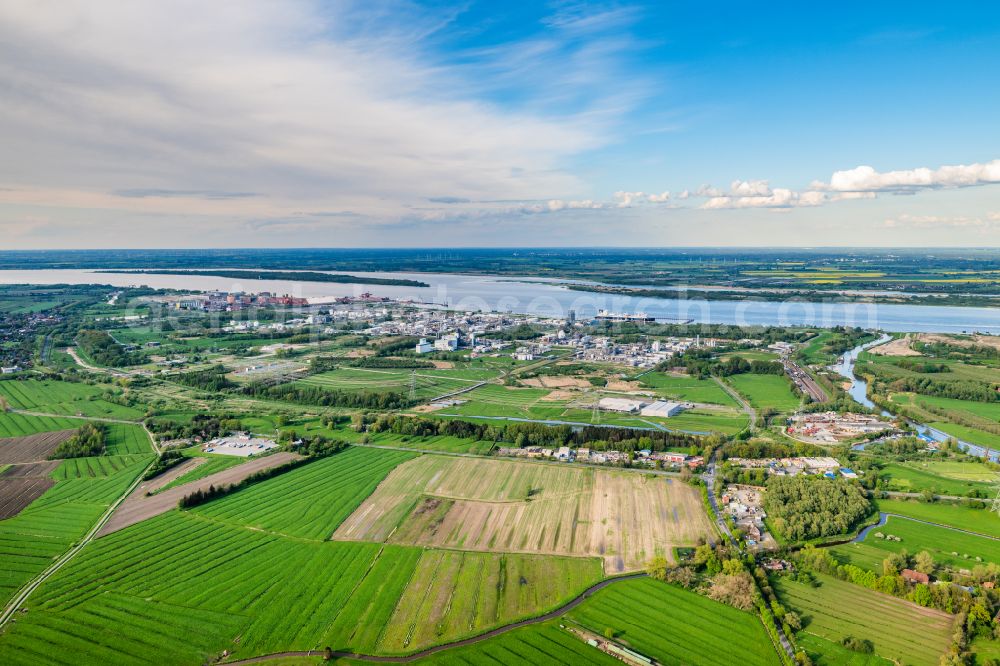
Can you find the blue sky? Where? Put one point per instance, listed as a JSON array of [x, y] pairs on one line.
[[303, 122]]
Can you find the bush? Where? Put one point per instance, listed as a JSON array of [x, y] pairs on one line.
[[89, 440]]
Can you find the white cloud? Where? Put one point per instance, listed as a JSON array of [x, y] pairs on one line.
[[778, 198], [990, 220], [750, 188], [292, 105], [867, 179], [629, 199]]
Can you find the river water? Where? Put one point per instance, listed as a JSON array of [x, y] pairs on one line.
[[859, 391], [541, 296]]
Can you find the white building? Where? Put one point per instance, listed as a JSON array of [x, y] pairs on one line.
[[423, 347], [620, 405], [663, 409], [447, 342]]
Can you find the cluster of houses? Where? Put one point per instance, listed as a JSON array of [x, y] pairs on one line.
[[221, 301], [831, 427], [825, 465], [586, 455], [745, 505]]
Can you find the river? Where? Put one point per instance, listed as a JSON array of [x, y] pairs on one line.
[[541, 296], [859, 391]]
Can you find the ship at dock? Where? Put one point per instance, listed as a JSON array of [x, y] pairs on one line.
[[638, 317]]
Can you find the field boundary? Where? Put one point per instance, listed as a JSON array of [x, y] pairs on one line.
[[426, 652], [32, 585]]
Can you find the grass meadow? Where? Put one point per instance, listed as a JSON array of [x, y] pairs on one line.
[[258, 575], [764, 391], [57, 397], [676, 626], [837, 609], [84, 489], [982, 521], [957, 549]]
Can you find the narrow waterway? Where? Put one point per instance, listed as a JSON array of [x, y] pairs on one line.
[[859, 391]]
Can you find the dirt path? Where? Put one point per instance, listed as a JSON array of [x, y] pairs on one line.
[[139, 506], [734, 394], [562, 610]]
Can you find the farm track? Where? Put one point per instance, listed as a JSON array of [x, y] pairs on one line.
[[735, 395], [139, 507], [32, 585], [551, 615]]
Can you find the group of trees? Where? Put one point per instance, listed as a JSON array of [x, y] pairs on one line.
[[530, 434], [703, 363], [921, 366], [211, 379], [201, 426], [167, 459], [314, 395], [102, 349], [806, 507], [768, 448], [960, 390], [89, 440]]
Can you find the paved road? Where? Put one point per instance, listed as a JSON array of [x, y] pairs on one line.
[[447, 646], [709, 477]]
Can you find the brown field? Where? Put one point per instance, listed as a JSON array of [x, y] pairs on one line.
[[626, 518], [20, 485], [31, 448], [620, 385], [556, 382], [443, 365], [964, 341], [139, 506], [897, 347]]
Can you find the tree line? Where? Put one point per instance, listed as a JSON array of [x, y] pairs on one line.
[[530, 434]]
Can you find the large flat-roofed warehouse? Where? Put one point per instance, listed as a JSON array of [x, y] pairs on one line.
[[663, 409], [620, 405]]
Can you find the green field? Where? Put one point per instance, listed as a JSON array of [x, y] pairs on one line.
[[837, 609], [84, 489], [212, 465], [57, 397], [255, 590], [940, 542], [308, 502], [687, 388], [439, 443], [941, 478], [675, 626], [18, 425], [985, 410], [534, 404], [763, 391], [529, 646], [981, 521], [426, 383], [980, 437]]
